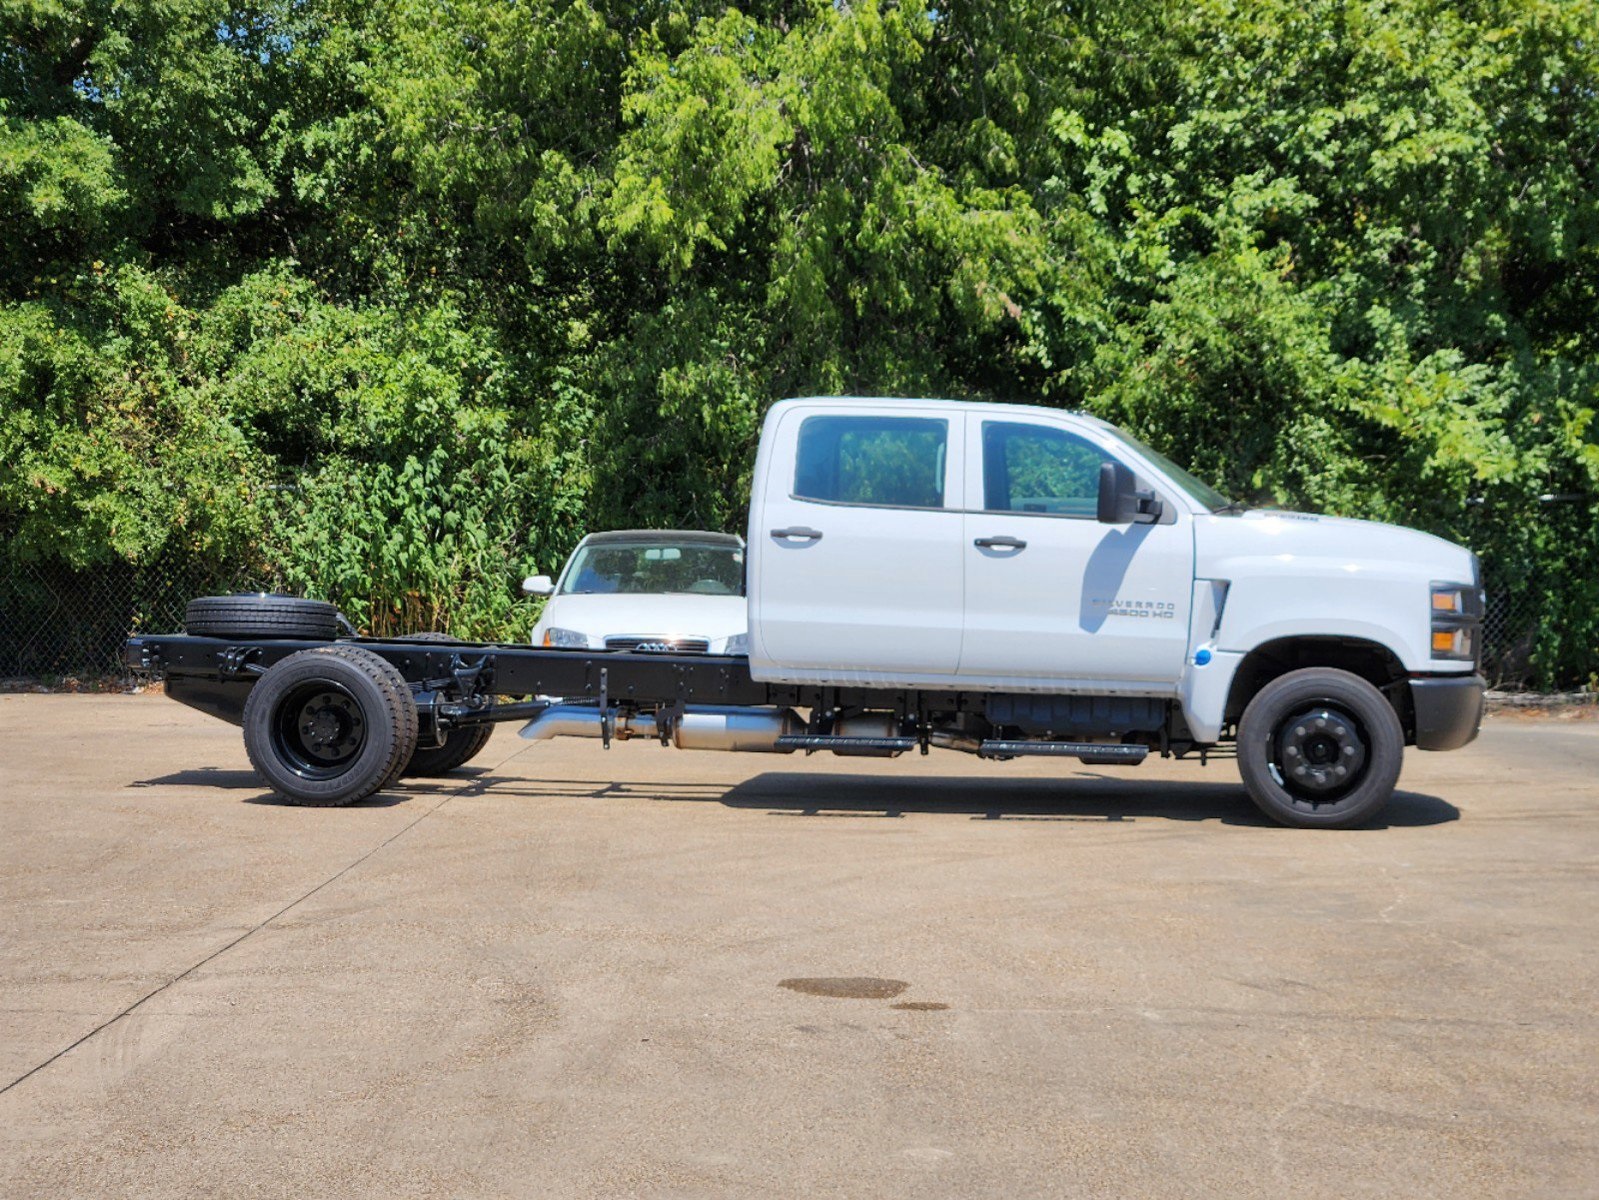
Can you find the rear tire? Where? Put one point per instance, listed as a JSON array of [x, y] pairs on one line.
[[460, 746], [261, 615], [1320, 749], [330, 726]]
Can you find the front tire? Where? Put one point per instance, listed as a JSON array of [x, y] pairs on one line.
[[1320, 749], [330, 726]]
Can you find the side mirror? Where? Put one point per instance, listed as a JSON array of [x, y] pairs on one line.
[[538, 585], [1120, 501]]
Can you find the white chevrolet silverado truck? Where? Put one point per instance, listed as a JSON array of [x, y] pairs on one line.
[[999, 580]]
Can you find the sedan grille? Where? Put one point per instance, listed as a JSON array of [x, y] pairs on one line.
[[659, 645]]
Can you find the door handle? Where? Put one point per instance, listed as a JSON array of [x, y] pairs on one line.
[[799, 531], [1000, 543]]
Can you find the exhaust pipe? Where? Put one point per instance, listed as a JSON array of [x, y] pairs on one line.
[[950, 740], [748, 730], [563, 720]]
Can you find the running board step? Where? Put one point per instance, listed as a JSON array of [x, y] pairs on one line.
[[821, 741], [1087, 751]]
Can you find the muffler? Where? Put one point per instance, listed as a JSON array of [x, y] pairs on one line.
[[743, 729], [867, 725], [747, 730]]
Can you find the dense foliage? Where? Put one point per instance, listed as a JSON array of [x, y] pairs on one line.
[[389, 302]]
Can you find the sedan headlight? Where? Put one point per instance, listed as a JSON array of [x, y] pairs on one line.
[[569, 639], [739, 643]]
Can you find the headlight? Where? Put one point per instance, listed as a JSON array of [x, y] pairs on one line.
[[568, 638], [1457, 610], [1459, 643], [739, 643]]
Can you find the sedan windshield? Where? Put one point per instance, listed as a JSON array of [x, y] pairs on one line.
[[649, 567]]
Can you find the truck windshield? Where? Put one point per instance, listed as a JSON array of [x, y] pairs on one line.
[[1196, 488], [651, 567]]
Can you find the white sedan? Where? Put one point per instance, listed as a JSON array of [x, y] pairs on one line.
[[644, 589]]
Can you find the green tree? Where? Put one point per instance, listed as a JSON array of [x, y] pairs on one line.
[[390, 302]]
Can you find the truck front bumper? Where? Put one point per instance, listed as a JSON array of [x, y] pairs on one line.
[[1448, 710]]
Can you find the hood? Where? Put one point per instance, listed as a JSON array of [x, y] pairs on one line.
[[1349, 546], [652, 615]]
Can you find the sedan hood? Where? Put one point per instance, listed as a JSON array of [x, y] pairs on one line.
[[664, 616]]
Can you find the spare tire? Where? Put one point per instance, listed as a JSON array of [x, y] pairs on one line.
[[261, 615]]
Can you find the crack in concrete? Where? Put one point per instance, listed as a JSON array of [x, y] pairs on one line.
[[470, 787]]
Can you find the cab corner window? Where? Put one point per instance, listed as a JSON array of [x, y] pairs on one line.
[[1039, 469], [897, 461]]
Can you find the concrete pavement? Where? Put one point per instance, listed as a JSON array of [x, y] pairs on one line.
[[571, 973]]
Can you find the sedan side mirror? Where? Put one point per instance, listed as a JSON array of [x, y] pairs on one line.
[[1120, 501], [538, 585]]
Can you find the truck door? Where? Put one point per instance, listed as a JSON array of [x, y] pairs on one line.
[[855, 545], [1053, 595]]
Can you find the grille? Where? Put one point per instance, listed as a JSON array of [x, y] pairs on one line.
[[674, 645]]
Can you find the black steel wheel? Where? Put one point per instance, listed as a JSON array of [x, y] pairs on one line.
[[318, 730], [460, 746], [1320, 748], [261, 615], [330, 726]]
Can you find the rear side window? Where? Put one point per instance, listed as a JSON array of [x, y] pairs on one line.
[[1039, 469], [895, 461]]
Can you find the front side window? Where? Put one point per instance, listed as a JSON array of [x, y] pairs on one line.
[[1200, 491], [1039, 469], [897, 461]]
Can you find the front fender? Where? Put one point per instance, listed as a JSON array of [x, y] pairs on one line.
[[1366, 603]]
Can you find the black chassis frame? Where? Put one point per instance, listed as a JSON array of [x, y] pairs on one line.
[[456, 683]]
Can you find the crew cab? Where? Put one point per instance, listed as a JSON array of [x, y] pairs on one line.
[[1000, 580]]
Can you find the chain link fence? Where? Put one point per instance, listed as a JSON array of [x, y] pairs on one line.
[[64, 627], [59, 626], [1509, 635]]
